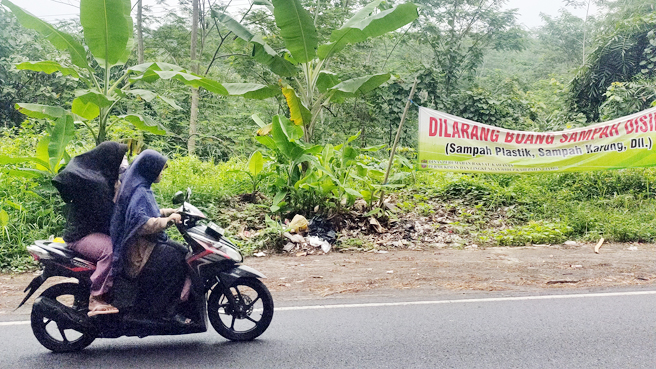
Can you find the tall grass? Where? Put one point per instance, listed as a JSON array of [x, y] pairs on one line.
[[618, 205]]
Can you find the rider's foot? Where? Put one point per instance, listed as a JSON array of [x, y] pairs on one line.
[[181, 320], [98, 306]]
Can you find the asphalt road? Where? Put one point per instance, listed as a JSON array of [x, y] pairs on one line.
[[603, 330]]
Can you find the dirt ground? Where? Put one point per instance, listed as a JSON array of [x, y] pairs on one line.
[[515, 269]]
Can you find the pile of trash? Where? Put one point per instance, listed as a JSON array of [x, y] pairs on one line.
[[307, 238]]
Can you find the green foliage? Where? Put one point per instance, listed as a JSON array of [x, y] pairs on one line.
[[532, 233], [110, 46], [308, 95], [459, 33], [625, 98], [623, 54]]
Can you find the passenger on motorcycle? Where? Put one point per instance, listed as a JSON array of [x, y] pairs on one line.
[[150, 269], [87, 185]]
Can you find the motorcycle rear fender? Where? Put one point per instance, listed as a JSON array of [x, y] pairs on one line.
[[241, 271], [33, 286]]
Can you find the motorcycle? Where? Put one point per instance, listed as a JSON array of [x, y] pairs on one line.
[[231, 295]]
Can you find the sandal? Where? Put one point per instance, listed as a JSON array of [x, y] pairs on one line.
[[99, 307]]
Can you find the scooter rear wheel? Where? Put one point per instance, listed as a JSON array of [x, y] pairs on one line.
[[48, 333], [249, 318]]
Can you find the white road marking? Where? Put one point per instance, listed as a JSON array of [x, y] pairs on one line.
[[437, 302], [461, 301]]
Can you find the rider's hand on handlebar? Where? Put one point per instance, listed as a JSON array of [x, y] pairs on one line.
[[174, 218], [167, 211]]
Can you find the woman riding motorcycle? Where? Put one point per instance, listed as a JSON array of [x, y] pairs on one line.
[[150, 269], [87, 185]]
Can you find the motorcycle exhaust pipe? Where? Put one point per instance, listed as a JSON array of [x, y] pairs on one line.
[[64, 316]]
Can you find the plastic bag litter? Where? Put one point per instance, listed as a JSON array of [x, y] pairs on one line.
[[298, 224]]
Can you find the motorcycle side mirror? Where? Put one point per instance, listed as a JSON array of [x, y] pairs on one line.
[[188, 194], [178, 198]]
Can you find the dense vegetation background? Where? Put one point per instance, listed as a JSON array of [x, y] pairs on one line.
[[471, 59]]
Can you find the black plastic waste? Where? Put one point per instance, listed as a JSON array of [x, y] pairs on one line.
[[322, 228]]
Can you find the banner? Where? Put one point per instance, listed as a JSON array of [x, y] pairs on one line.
[[450, 143]]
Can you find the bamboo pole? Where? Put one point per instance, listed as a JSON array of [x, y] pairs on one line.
[[396, 140]]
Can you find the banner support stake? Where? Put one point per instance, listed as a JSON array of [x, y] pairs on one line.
[[396, 140]]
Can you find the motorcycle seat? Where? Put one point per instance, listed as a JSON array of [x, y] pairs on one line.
[[57, 248]]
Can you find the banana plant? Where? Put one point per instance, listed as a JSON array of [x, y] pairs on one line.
[[312, 86], [255, 170], [108, 36], [51, 152]]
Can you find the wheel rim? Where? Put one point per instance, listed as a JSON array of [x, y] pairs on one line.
[[248, 312]]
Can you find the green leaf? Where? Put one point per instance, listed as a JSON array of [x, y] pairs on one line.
[[266, 3], [152, 66], [24, 172], [4, 218], [358, 86], [88, 104], [280, 196], [145, 123], [39, 111], [234, 26], [60, 40], [364, 25], [15, 205], [48, 67], [194, 81], [265, 55], [267, 141], [298, 112], [296, 28], [61, 135], [107, 27], [42, 153], [252, 90], [260, 123], [171, 102], [326, 80], [291, 150], [352, 192], [262, 52], [255, 163], [293, 132], [149, 96], [144, 94]]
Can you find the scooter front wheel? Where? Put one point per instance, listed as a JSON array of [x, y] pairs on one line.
[[250, 315], [53, 336]]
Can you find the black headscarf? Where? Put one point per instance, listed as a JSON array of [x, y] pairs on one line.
[[86, 184], [135, 203]]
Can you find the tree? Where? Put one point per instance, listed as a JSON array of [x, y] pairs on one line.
[[305, 84], [459, 32], [110, 47], [559, 37], [16, 46], [622, 55]]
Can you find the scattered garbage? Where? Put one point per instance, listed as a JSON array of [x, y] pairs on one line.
[[259, 254], [298, 224], [598, 245], [322, 228], [570, 243], [376, 225], [633, 248], [295, 238]]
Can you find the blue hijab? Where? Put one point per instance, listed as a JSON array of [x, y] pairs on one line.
[[135, 204]]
